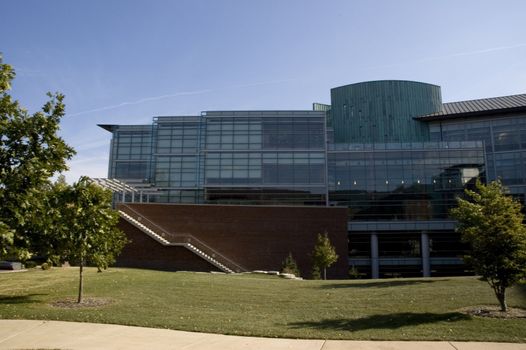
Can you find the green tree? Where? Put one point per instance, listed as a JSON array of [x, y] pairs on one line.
[[290, 266], [492, 223], [86, 226], [324, 254], [30, 153]]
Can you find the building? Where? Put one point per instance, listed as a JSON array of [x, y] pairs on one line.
[[384, 161]]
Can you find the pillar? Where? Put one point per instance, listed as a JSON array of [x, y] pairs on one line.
[[375, 263], [426, 266]]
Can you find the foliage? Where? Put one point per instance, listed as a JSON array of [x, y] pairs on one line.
[[86, 225], [492, 223], [30, 264], [30, 153], [316, 274], [354, 274], [290, 266], [324, 254]]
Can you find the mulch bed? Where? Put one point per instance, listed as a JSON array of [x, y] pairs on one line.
[[493, 312], [86, 302]]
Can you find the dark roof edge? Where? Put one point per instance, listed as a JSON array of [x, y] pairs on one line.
[[108, 127], [470, 114]]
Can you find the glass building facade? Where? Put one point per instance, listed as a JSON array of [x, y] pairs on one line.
[[265, 158], [226, 157], [398, 178], [504, 138], [131, 152], [407, 181]]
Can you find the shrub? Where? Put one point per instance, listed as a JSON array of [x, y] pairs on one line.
[[30, 264], [354, 274], [45, 266], [316, 274], [290, 266]]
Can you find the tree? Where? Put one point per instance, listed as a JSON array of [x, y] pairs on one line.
[[86, 226], [324, 254], [492, 223], [30, 153], [290, 266]]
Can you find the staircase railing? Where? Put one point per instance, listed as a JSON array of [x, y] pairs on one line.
[[163, 241], [182, 238]]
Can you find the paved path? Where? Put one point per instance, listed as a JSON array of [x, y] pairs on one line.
[[22, 334]]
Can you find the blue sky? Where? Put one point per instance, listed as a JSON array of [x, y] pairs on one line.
[[124, 62]]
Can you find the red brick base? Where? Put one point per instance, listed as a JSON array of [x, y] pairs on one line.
[[255, 237]]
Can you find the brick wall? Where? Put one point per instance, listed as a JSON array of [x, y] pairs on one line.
[[255, 237], [144, 252]]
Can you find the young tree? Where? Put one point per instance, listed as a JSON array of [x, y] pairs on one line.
[[492, 223], [30, 153], [86, 227], [290, 266], [324, 254]]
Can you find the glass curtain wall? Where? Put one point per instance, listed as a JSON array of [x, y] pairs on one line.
[[176, 160], [505, 143], [131, 149], [265, 157], [413, 181]]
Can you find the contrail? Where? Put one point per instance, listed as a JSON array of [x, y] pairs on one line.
[[458, 54], [469, 53], [142, 100], [184, 93]]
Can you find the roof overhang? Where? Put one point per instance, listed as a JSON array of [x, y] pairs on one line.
[[108, 127]]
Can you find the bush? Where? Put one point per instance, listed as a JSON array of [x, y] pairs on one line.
[[45, 266], [354, 274], [30, 264], [290, 266], [316, 274]]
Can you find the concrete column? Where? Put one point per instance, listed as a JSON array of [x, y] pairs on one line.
[[123, 196], [426, 266], [375, 263]]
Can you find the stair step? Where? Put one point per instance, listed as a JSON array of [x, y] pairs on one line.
[[166, 242]]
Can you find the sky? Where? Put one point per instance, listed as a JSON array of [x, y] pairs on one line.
[[126, 61]]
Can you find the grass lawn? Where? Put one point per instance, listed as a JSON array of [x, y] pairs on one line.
[[258, 305]]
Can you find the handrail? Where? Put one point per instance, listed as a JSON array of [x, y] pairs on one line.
[[200, 245], [141, 216], [186, 236]]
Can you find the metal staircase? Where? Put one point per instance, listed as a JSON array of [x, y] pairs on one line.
[[161, 237]]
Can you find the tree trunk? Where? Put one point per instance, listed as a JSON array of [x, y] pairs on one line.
[[81, 281], [324, 273], [501, 296]]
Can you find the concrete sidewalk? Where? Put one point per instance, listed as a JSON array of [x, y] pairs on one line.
[[22, 334]]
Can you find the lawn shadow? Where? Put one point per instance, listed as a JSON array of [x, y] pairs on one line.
[[387, 321], [20, 299], [379, 284]]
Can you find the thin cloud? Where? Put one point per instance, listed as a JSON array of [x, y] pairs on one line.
[[177, 94], [476, 52], [453, 55], [142, 100]]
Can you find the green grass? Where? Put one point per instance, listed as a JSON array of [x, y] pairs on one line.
[[258, 305]]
